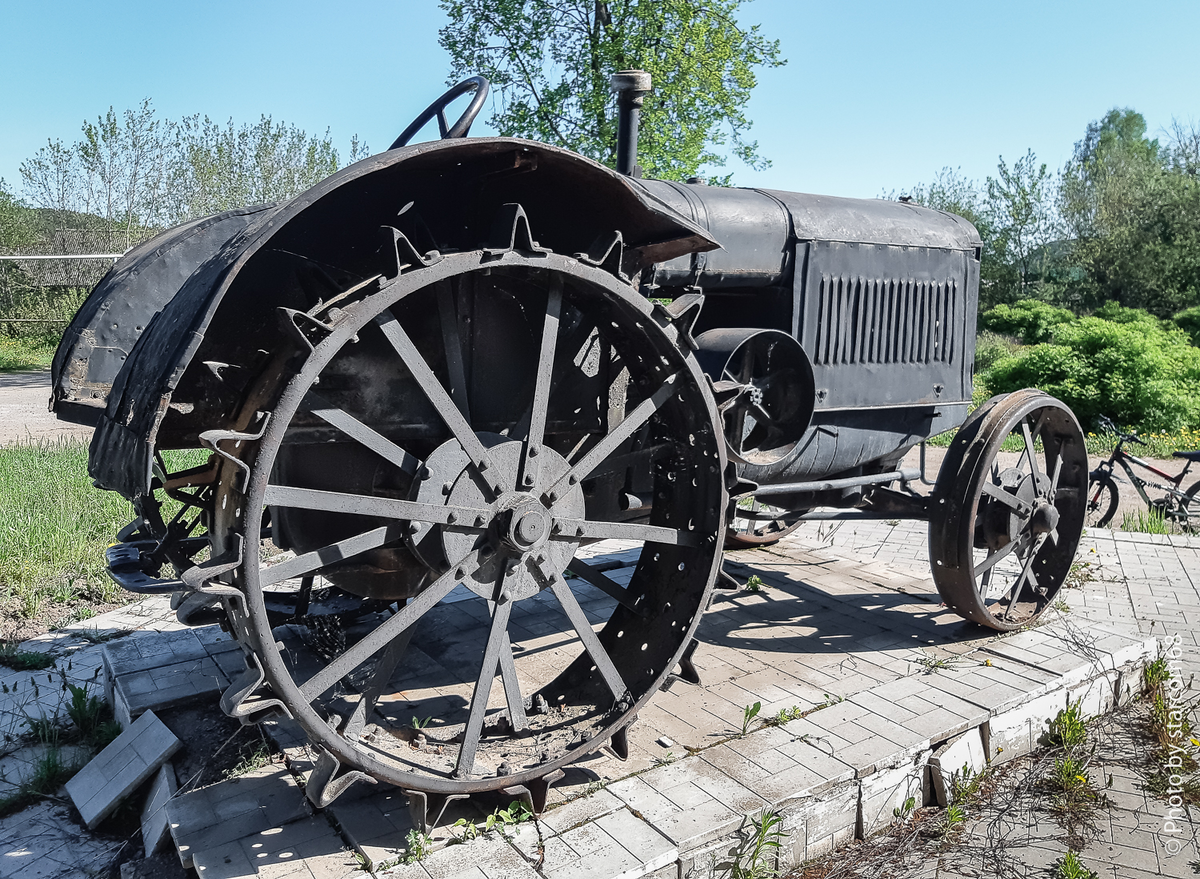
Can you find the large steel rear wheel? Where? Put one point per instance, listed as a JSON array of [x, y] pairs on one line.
[[443, 454], [1003, 533]]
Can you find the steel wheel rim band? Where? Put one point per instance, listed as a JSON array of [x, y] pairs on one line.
[[290, 401]]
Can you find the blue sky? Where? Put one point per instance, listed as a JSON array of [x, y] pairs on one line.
[[875, 96]]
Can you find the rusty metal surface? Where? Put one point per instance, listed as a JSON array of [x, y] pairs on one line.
[[109, 323], [166, 394]]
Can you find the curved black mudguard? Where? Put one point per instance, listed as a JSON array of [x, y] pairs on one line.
[[103, 332], [194, 362]]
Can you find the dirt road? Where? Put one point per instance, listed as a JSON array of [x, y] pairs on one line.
[[24, 412]]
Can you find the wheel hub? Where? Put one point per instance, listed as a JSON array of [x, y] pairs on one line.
[[1044, 518], [520, 523]]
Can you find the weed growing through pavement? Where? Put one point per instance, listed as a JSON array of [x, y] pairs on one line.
[[1080, 574], [748, 714], [501, 820], [955, 817], [1067, 729], [1070, 867], [784, 715], [417, 845], [933, 664], [260, 756], [23, 660], [754, 584], [905, 811], [92, 728], [756, 856]]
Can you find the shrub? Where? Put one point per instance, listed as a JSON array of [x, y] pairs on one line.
[[991, 348], [1188, 320], [1030, 320], [1127, 366]]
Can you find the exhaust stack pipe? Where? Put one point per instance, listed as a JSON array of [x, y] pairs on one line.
[[631, 87]]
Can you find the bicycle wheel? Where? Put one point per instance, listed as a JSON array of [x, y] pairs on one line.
[[1102, 501], [1187, 514]]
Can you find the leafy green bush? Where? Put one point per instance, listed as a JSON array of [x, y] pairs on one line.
[[1188, 320], [1127, 366], [1031, 320], [991, 348]]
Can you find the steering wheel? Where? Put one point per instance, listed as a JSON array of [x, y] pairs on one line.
[[477, 84]]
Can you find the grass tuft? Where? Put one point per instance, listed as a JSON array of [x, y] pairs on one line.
[[57, 526]]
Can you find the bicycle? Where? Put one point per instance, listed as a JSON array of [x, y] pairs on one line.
[[1177, 505]]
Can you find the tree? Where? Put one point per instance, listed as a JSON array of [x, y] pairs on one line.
[[1133, 210], [216, 168], [1021, 202], [550, 61], [116, 172], [130, 175]]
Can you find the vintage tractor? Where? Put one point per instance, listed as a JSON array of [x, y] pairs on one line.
[[481, 407]]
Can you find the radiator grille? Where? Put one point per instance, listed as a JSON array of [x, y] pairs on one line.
[[866, 320]]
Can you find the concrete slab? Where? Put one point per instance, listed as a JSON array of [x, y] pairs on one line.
[[154, 813], [306, 849], [121, 767], [962, 755], [214, 817]]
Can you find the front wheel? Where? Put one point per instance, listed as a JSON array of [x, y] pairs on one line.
[[1005, 522], [1101, 500]]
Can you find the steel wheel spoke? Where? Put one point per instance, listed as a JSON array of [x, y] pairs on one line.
[[613, 439], [447, 410], [328, 555], [451, 341], [997, 492], [512, 686], [497, 638], [604, 664], [1026, 574], [541, 387], [992, 559], [1052, 494], [577, 529], [367, 436], [605, 584], [464, 518], [373, 688], [1030, 452], [391, 628]]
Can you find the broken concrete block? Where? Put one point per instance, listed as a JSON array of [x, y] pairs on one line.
[[154, 813], [883, 794], [958, 757], [119, 769]]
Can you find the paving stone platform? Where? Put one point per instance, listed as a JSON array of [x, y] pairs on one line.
[[847, 628]]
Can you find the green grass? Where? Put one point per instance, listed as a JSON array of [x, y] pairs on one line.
[[18, 353], [1161, 444], [56, 527]]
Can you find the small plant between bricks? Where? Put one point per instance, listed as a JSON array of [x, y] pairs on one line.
[[1070, 867], [1068, 778], [92, 727], [754, 584], [418, 846], [500, 820], [757, 855], [1171, 728], [748, 714]]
